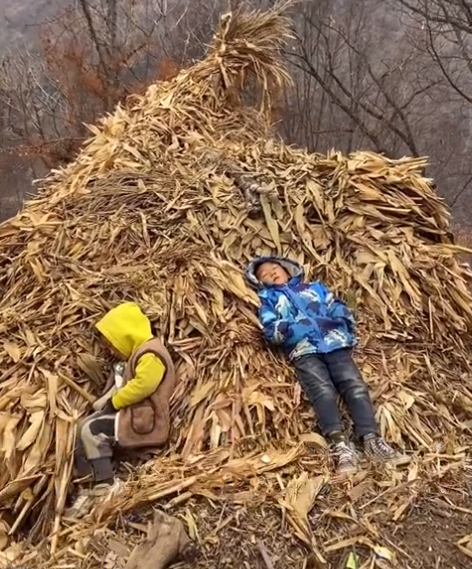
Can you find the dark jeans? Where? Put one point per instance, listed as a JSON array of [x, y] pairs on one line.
[[322, 376]]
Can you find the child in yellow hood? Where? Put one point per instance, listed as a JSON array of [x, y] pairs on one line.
[[134, 413]]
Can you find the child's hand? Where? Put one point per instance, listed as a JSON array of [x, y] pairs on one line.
[[108, 409], [99, 404], [280, 332]]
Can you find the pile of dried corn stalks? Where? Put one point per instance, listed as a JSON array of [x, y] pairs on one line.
[[164, 206]]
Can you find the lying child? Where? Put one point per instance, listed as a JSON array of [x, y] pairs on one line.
[[134, 413], [317, 331]]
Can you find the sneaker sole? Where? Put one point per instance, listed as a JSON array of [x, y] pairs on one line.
[[401, 461], [348, 471], [398, 461]]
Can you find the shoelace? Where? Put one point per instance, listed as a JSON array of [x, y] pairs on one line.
[[381, 448], [344, 452]]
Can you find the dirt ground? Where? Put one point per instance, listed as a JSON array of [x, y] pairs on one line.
[[429, 534], [258, 536], [427, 538]]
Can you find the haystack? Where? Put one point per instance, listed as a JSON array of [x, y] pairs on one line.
[[165, 204]]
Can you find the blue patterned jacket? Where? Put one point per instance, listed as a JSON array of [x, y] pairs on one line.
[[302, 318]]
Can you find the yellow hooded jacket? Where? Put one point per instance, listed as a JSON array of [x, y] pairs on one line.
[[126, 328]]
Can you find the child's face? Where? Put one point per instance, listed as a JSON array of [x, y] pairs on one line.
[[112, 351], [272, 273]]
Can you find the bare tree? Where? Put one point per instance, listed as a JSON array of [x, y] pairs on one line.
[[446, 27], [356, 91], [90, 57], [441, 31]]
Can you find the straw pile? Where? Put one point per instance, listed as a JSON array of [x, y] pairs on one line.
[[166, 203]]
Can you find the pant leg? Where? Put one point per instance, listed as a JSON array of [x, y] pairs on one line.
[[97, 437], [349, 382], [83, 468], [315, 380]]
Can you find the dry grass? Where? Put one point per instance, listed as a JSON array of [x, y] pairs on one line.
[[155, 210]]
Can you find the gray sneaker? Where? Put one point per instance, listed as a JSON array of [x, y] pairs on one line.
[[377, 448], [89, 497], [345, 457]]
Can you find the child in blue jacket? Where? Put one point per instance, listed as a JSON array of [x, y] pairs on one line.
[[317, 332]]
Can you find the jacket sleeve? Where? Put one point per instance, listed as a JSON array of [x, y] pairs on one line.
[[274, 328], [149, 373], [337, 309]]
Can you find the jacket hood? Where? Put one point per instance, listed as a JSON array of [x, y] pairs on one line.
[[125, 327], [293, 268]]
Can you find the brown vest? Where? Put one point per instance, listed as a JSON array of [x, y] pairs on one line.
[[147, 424]]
